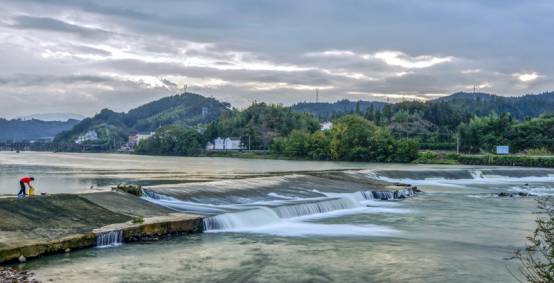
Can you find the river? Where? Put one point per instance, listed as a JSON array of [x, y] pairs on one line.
[[458, 230]]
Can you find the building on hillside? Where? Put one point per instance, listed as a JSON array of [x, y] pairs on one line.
[[205, 111], [232, 144], [135, 139], [326, 126], [227, 143], [88, 136]]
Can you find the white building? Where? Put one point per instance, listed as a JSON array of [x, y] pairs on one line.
[[141, 137], [135, 139], [232, 144], [326, 126], [225, 144], [88, 136]]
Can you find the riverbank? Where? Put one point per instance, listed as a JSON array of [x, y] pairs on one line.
[[448, 158]]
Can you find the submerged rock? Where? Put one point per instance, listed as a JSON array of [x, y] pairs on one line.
[[518, 194], [130, 189], [8, 274]]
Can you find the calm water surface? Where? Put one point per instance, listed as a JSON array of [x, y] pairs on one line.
[[457, 231]]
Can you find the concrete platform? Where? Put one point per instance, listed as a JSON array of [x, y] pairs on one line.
[[32, 227]]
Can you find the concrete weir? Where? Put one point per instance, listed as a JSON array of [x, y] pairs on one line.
[[43, 225]]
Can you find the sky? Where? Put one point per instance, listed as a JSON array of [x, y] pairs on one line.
[[81, 56]]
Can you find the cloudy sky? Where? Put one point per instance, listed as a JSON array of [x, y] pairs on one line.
[[82, 56]]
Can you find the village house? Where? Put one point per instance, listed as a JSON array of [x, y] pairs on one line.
[[135, 139], [326, 126], [88, 136], [225, 144]]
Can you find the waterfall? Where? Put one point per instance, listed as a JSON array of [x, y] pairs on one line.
[[109, 239], [293, 214]]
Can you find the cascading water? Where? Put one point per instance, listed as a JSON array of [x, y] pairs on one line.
[[109, 239], [291, 215]]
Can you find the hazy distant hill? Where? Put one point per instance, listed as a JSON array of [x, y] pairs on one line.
[[184, 109], [53, 117], [327, 110], [531, 105], [32, 129]]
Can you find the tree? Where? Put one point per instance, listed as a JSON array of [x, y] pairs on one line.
[[537, 259]]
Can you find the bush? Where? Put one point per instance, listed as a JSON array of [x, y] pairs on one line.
[[537, 259], [508, 160], [353, 138], [538, 151]]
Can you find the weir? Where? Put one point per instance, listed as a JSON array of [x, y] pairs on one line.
[[278, 213], [109, 239]]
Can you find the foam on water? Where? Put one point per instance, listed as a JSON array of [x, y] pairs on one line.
[[292, 216], [476, 177]]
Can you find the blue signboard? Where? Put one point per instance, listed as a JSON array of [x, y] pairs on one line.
[[502, 149]]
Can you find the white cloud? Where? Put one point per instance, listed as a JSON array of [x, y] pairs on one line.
[[400, 59], [332, 53], [397, 96], [526, 77]]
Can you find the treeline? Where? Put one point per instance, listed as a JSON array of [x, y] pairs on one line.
[[483, 134], [173, 140], [352, 138], [258, 125], [289, 134]]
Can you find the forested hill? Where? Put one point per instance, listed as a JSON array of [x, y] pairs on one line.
[[468, 104], [32, 129], [183, 109], [520, 107], [326, 111]]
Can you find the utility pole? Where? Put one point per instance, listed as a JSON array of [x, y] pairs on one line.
[[185, 89], [316, 95], [458, 144], [249, 148]]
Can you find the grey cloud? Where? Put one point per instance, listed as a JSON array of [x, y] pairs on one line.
[[498, 37], [50, 24]]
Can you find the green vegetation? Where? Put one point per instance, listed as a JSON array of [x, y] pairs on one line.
[[259, 124], [537, 259], [430, 157], [482, 134], [362, 131], [173, 140], [113, 129], [506, 160], [353, 138]]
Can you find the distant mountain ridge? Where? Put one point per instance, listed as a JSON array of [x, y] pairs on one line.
[[479, 103], [520, 107], [33, 129], [326, 110], [62, 117], [183, 109]]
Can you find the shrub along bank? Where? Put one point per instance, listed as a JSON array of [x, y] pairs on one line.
[[506, 160]]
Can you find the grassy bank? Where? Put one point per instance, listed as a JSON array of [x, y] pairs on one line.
[[507, 160], [430, 157]]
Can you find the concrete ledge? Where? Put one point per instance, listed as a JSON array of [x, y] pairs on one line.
[[43, 225], [157, 227]]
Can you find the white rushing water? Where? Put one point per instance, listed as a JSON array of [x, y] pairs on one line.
[[293, 216], [473, 177], [109, 239]]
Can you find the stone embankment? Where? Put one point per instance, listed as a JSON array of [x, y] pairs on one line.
[[41, 225]]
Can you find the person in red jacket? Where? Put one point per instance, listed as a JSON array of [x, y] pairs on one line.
[[22, 182]]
